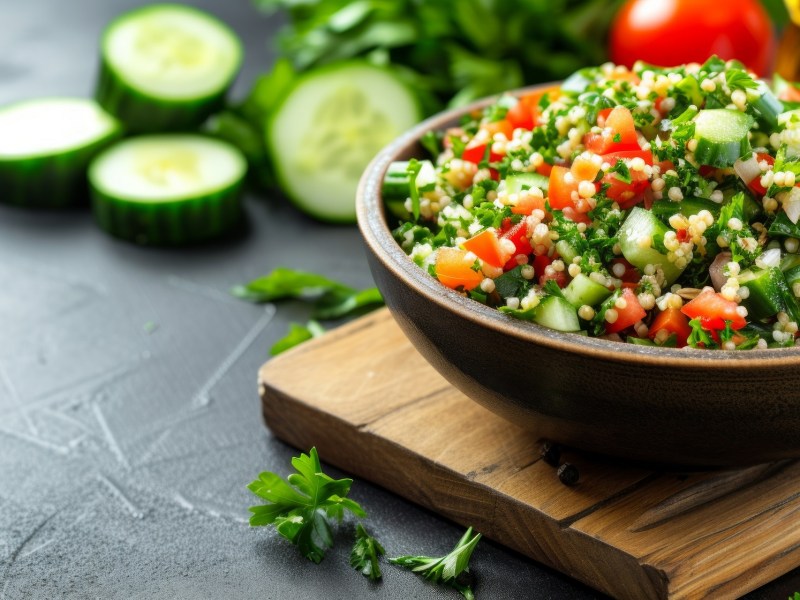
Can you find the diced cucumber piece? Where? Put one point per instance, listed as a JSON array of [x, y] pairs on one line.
[[765, 298], [687, 207], [783, 227], [524, 181], [556, 312], [640, 226], [167, 189], [722, 136], [166, 67], [395, 188], [327, 129], [768, 293], [583, 290], [767, 106], [46, 146], [789, 262], [566, 251]]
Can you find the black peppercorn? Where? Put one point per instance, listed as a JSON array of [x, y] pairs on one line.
[[568, 474], [551, 453]]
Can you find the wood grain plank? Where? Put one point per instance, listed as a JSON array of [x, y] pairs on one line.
[[375, 408]]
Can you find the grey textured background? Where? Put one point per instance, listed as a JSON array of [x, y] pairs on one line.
[[129, 418]]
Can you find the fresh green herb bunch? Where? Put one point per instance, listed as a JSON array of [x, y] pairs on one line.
[[453, 51]]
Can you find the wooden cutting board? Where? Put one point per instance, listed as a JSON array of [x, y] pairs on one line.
[[374, 407]]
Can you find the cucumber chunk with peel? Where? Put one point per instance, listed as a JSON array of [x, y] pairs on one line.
[[329, 126], [166, 67], [167, 189], [636, 239], [722, 136], [46, 146]]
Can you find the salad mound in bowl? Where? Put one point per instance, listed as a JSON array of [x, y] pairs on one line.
[[612, 262]]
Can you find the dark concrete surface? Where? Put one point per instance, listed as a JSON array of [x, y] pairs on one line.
[[129, 418]]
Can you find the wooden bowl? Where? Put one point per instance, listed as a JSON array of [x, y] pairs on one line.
[[664, 405]]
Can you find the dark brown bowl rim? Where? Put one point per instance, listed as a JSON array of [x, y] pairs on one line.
[[375, 231]]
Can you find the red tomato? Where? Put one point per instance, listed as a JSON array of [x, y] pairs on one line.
[[622, 134], [627, 195], [487, 247], [673, 321], [755, 183], [454, 270], [629, 315], [713, 310], [518, 234], [673, 32], [562, 184]]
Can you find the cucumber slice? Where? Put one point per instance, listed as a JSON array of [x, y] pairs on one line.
[[327, 129], [524, 181], [46, 146], [722, 136], [166, 67], [556, 312], [167, 189], [767, 106], [583, 290], [639, 225], [566, 251]]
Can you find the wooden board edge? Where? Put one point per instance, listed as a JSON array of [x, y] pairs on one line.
[[284, 415]]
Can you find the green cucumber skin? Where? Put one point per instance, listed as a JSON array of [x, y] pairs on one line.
[[170, 223], [273, 145], [51, 181], [142, 113]]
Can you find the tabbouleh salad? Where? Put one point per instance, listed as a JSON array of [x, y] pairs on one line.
[[654, 206]]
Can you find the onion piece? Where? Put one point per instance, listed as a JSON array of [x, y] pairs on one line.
[[791, 203], [747, 170], [717, 270], [770, 258]]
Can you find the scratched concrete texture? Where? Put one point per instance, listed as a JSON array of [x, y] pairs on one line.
[[129, 418]]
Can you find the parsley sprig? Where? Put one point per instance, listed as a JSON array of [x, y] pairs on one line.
[[329, 299], [365, 554], [300, 506], [445, 569]]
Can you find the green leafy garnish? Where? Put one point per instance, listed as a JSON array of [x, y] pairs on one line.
[[300, 506], [699, 338], [330, 300], [446, 569], [621, 171], [296, 335], [285, 283], [365, 554]]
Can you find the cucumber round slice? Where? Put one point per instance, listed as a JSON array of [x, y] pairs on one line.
[[166, 67], [46, 146], [328, 127], [167, 189]]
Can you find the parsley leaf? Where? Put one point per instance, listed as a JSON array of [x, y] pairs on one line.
[[445, 569], [413, 169], [699, 338], [621, 171], [738, 79], [283, 283], [296, 335], [365, 554], [300, 506]]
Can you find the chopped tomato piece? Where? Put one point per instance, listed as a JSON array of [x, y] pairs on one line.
[[755, 183], [562, 185], [518, 234], [713, 310], [584, 169], [602, 115], [619, 133], [627, 315], [526, 113], [627, 195], [673, 321], [790, 94], [645, 155], [454, 270], [544, 169], [527, 204], [486, 246], [503, 126], [631, 273], [475, 152]]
